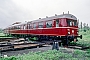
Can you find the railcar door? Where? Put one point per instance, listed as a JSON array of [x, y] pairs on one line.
[[56, 31], [63, 22], [57, 23], [29, 28]]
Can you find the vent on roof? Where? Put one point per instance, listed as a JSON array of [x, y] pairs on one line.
[[71, 16], [63, 12], [68, 12], [46, 16], [55, 14], [16, 23], [39, 18]]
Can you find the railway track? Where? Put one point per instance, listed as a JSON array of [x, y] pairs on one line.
[[79, 47], [9, 44], [7, 39], [16, 44], [9, 47]]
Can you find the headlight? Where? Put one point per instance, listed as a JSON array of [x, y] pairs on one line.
[[72, 31], [68, 32]]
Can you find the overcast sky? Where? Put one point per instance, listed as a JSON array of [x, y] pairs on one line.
[[25, 10]]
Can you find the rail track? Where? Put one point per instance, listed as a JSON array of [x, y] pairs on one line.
[[79, 47], [9, 44], [19, 46], [16, 44], [7, 39]]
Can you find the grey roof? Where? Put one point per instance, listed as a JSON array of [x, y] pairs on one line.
[[18, 24], [70, 16]]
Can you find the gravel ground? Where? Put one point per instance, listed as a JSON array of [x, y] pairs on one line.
[[44, 48], [15, 53]]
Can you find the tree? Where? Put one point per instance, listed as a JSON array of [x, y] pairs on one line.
[[81, 25], [0, 30]]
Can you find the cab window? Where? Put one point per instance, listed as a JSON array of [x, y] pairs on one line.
[[48, 24], [72, 22], [69, 22], [75, 22]]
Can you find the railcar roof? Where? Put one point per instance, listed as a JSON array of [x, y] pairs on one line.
[[18, 24], [70, 16]]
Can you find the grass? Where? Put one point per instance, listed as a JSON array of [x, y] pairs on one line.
[[85, 41], [2, 35], [51, 55], [60, 54]]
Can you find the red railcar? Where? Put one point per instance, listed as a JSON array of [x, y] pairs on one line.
[[62, 27]]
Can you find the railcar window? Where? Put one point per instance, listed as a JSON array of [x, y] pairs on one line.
[[34, 25], [69, 22], [29, 26], [40, 25], [24, 27], [16, 27], [19, 27], [72, 22], [63, 22], [11, 28], [75, 23], [48, 24], [57, 23]]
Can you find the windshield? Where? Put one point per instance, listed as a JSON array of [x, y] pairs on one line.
[[75, 22], [72, 22]]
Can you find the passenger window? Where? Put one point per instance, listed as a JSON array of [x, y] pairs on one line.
[[16, 27], [24, 27], [19, 27], [57, 23], [29, 26], [48, 24], [34, 25], [40, 25]]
